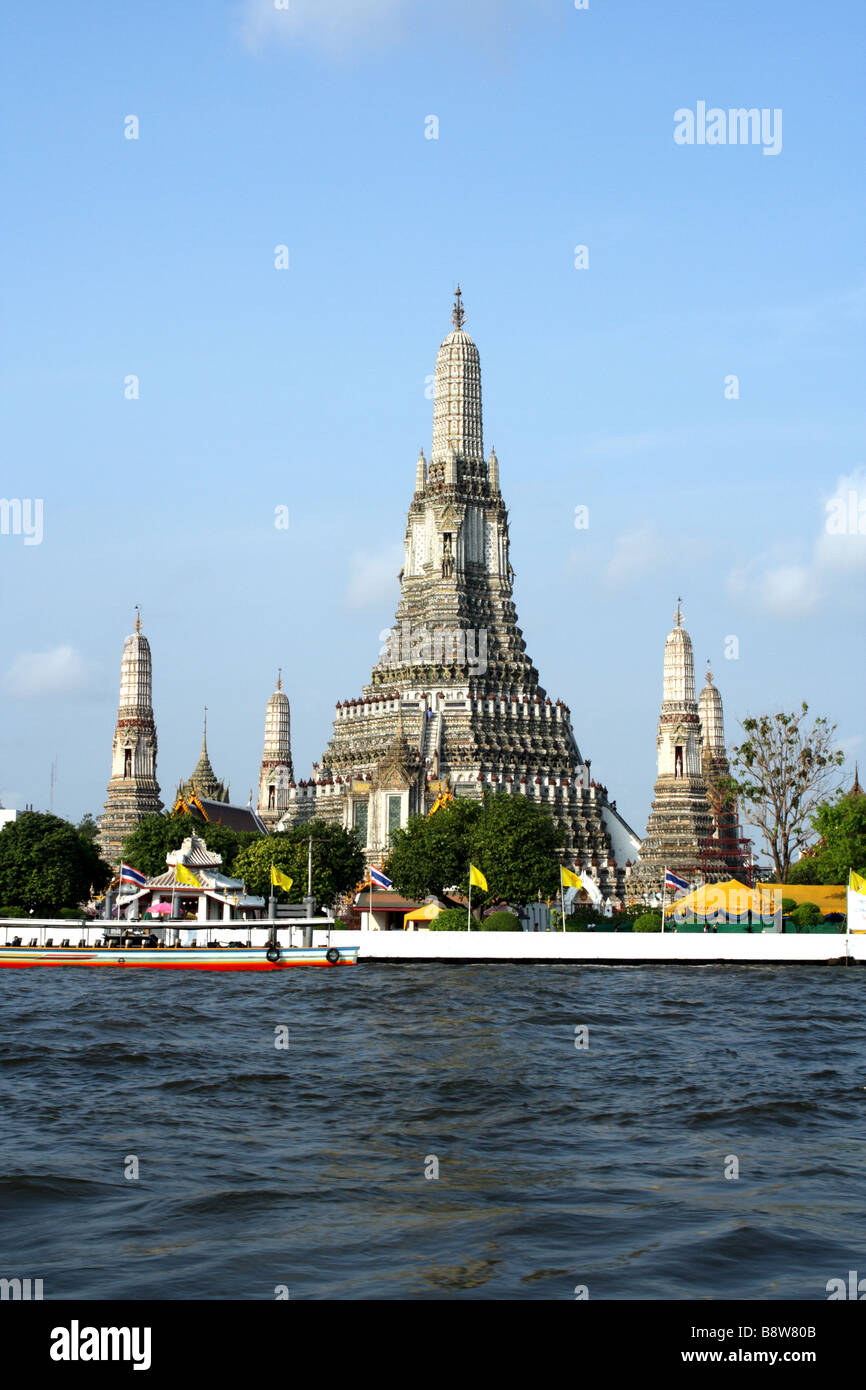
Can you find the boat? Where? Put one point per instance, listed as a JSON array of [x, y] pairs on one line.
[[149, 950]]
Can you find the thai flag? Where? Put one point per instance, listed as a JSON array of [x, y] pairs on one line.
[[380, 880], [673, 881], [130, 875]]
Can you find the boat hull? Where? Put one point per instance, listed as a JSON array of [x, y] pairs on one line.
[[171, 958]]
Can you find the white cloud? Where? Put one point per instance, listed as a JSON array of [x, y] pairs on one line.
[[60, 671], [344, 26], [634, 553], [800, 585], [373, 578], [333, 24]]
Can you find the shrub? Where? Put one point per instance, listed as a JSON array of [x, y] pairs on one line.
[[451, 919], [788, 906], [500, 921], [73, 913], [649, 921], [12, 912]]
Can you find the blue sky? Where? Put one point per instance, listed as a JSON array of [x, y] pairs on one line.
[[305, 387]]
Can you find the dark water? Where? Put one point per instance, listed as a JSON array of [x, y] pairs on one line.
[[558, 1167]]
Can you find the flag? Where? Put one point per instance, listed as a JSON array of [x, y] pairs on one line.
[[130, 875], [183, 875], [570, 879], [381, 880], [477, 878], [673, 880], [596, 896], [856, 902], [279, 879]]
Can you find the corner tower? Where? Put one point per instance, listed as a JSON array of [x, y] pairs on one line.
[[275, 777], [680, 823], [133, 791]]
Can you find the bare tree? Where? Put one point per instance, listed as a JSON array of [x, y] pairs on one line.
[[781, 772]]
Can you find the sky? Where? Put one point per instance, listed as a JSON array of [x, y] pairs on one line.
[[693, 378]]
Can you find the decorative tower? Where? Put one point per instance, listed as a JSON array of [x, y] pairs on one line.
[[727, 849], [454, 705], [680, 823], [133, 791], [276, 776], [204, 781]]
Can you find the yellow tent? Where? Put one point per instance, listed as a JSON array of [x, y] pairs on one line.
[[829, 897], [421, 914], [733, 898]]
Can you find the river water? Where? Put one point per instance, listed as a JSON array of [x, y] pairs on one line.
[[703, 1139]]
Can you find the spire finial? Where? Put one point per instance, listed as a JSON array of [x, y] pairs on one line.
[[138, 617], [280, 678], [709, 672], [458, 313], [678, 616], [204, 736]]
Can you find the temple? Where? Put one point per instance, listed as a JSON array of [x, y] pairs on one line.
[[454, 704], [692, 828], [133, 791]]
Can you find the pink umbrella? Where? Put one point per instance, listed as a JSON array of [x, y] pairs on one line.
[[161, 908]]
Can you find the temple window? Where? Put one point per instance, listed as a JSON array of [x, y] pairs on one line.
[[394, 809], [360, 821], [678, 760], [127, 762], [272, 793]]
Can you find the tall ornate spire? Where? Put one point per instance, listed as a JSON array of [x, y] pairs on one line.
[[133, 791], [275, 775], [679, 667], [457, 423]]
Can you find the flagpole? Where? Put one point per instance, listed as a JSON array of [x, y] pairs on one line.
[[469, 909], [664, 888], [370, 913], [562, 897]]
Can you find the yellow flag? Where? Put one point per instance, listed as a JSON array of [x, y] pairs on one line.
[[570, 879], [280, 880], [183, 875], [477, 878], [858, 883]]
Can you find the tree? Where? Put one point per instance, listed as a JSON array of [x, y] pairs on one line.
[[514, 844], [88, 826], [781, 773], [47, 864], [841, 826], [508, 837], [338, 861], [432, 852]]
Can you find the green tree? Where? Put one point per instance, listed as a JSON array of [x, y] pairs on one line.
[[338, 862], [514, 844], [781, 773], [88, 826], [47, 864], [432, 852], [841, 828]]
